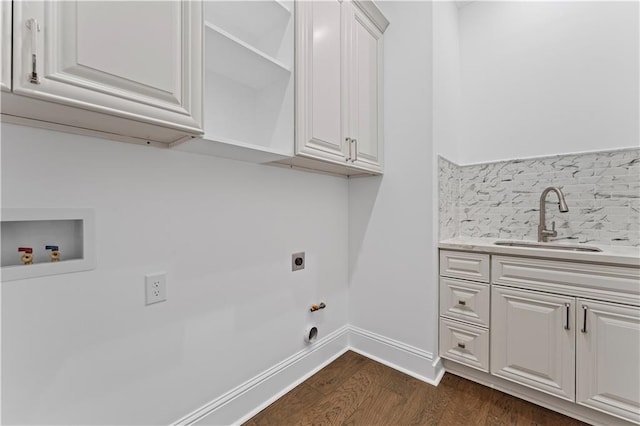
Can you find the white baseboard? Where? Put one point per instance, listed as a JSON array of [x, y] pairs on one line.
[[243, 402], [240, 404], [408, 359]]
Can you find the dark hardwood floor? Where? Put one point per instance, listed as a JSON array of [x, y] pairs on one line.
[[354, 390]]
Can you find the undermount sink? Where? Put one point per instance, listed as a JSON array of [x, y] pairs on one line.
[[549, 246]]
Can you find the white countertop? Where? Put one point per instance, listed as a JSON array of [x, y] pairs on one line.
[[615, 255]]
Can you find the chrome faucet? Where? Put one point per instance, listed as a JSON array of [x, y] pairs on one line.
[[543, 233]]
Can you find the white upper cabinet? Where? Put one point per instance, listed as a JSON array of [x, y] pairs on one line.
[[339, 86], [608, 354], [365, 90], [139, 61], [321, 52], [5, 46]]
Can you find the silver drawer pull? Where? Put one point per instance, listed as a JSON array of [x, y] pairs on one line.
[[462, 345], [355, 151], [584, 319], [33, 25], [462, 302], [348, 141]]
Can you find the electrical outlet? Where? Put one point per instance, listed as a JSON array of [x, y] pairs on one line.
[[297, 261], [156, 287]]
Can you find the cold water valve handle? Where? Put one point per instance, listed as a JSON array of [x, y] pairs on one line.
[[55, 252], [27, 257]]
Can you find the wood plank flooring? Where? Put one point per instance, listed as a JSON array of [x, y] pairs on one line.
[[354, 390]]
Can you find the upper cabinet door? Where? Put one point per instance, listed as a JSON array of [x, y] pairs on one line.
[[365, 68], [136, 60], [608, 350], [5, 47], [339, 63], [319, 97]]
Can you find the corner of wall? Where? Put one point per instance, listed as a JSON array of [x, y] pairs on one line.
[[448, 198], [415, 362], [248, 399]]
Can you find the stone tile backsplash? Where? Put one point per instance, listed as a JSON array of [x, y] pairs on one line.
[[449, 197], [501, 199]]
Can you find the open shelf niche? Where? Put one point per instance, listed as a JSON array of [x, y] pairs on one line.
[[249, 81], [71, 230]]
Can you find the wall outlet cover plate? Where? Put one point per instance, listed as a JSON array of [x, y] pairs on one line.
[[155, 288], [297, 261]]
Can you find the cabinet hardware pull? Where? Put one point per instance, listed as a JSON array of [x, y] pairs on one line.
[[355, 151], [348, 141], [584, 318], [462, 302], [33, 25], [462, 345], [568, 306]]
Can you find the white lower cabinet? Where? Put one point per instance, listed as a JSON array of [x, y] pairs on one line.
[[608, 358], [533, 340], [464, 308], [547, 331]]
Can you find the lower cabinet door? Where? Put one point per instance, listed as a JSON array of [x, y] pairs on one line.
[[608, 358], [533, 340], [464, 343]]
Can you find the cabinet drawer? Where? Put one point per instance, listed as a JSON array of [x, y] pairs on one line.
[[593, 281], [463, 343], [465, 301], [460, 264]]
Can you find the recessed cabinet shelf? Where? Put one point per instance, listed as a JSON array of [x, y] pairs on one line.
[[249, 66], [70, 230], [248, 95], [261, 24]]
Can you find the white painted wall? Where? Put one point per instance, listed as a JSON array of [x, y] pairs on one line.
[[83, 348], [392, 289], [541, 78], [446, 80]]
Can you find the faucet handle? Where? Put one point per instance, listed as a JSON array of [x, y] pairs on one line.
[[553, 225]]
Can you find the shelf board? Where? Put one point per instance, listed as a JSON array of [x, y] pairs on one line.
[[233, 149], [253, 18], [239, 61], [283, 6]]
